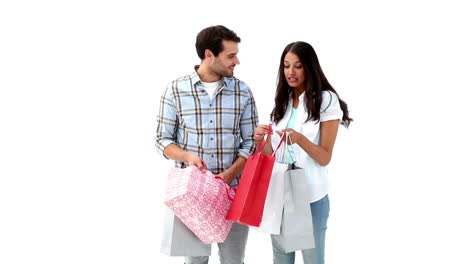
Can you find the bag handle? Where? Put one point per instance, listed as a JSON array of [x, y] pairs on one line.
[[287, 149], [228, 189], [279, 145], [259, 149]]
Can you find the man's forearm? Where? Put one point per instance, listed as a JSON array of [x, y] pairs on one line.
[[235, 170], [173, 152]]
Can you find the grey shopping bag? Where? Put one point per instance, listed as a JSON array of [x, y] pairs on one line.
[[297, 231], [178, 240]]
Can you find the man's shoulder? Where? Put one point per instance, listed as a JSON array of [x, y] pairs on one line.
[[182, 82], [184, 78]]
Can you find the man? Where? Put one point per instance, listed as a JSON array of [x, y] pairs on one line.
[[207, 119]]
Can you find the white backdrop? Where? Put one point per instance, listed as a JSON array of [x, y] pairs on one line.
[[80, 81]]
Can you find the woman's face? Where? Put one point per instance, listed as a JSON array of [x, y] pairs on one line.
[[294, 71]]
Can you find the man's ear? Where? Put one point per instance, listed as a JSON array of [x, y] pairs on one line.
[[209, 55]]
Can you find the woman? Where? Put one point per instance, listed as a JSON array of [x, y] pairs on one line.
[[309, 109]]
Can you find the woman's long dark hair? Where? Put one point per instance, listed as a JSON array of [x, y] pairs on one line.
[[315, 84]]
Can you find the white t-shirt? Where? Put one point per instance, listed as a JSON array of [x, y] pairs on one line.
[[211, 87], [317, 175]]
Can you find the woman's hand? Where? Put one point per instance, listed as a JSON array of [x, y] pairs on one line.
[[294, 136], [322, 152], [260, 133]]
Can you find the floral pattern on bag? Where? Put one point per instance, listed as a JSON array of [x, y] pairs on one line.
[[201, 202]]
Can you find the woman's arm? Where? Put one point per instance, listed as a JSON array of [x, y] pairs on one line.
[[321, 153]]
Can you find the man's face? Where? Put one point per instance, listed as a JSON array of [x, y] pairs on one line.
[[226, 60]]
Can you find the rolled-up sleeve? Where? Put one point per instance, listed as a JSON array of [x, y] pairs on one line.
[[248, 123], [330, 108], [166, 128]]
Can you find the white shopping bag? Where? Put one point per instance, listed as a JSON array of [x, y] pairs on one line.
[[273, 210]]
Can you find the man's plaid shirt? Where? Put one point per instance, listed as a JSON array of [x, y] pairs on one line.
[[218, 130]]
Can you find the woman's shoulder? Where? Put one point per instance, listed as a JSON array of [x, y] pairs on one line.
[[329, 99], [329, 95]]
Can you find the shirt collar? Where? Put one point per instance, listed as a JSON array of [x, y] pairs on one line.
[[196, 78], [301, 99]]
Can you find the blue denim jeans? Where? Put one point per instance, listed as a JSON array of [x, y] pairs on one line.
[[320, 211]]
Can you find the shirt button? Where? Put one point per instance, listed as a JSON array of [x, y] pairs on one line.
[[210, 105], [212, 156], [211, 121], [211, 138]]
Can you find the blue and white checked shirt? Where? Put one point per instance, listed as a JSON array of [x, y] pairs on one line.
[[218, 130]]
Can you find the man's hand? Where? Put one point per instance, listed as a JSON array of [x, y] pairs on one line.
[[194, 160], [227, 176]]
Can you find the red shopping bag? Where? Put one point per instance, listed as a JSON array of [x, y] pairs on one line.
[[248, 204]]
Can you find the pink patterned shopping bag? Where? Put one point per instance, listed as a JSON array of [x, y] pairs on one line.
[[201, 201]]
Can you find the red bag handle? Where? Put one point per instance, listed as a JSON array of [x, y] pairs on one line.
[[227, 189], [259, 149]]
